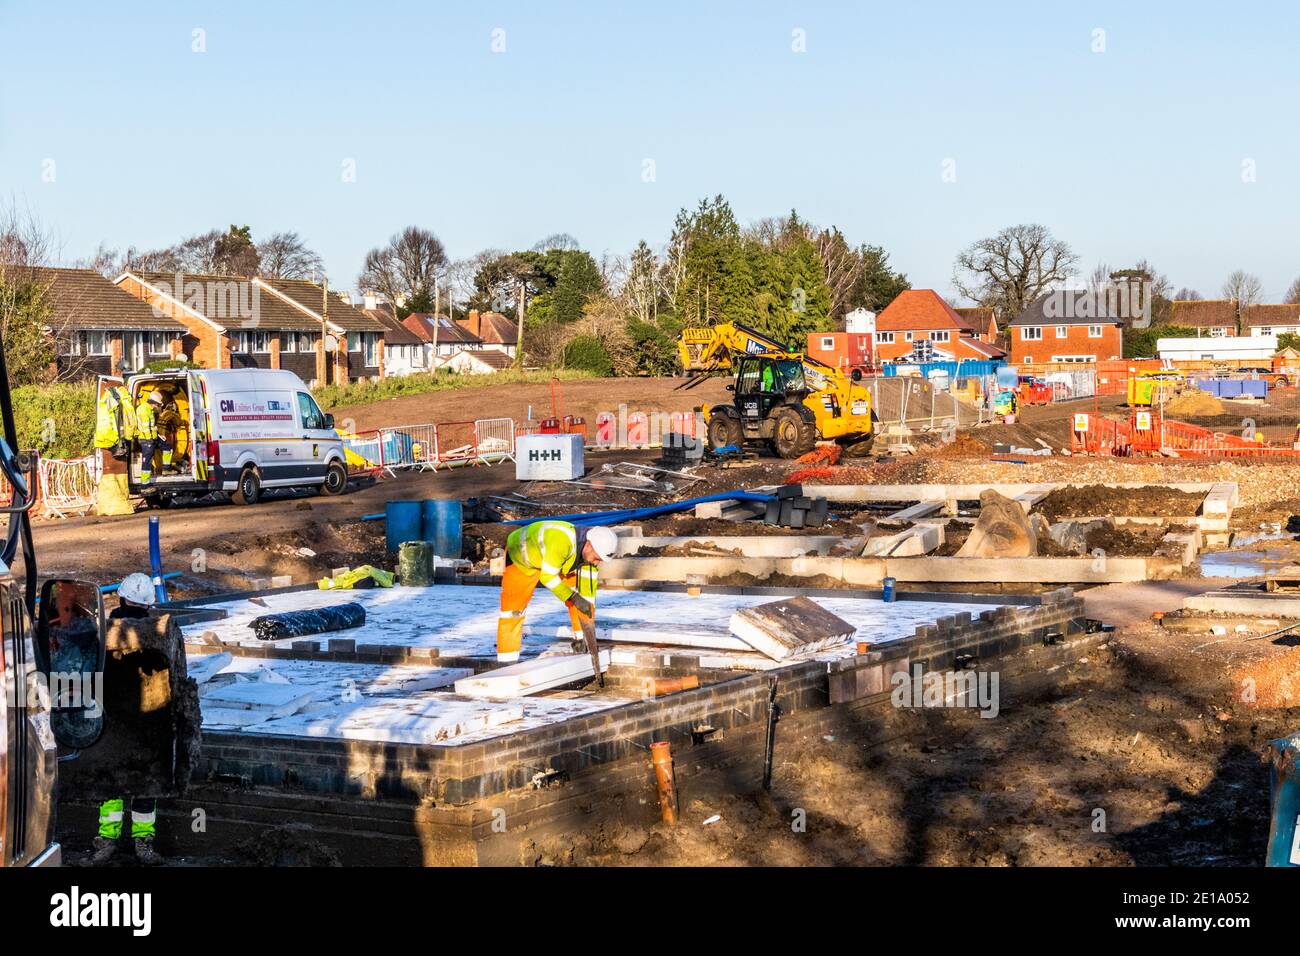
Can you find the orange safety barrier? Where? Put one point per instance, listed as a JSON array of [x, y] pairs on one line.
[[1146, 433]]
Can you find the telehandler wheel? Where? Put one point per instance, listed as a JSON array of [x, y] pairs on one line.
[[859, 448], [791, 435], [724, 430]]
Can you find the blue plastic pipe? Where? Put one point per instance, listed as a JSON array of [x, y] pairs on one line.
[[155, 561]]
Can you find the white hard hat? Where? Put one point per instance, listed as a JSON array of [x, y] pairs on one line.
[[156, 396], [603, 541], [137, 588]]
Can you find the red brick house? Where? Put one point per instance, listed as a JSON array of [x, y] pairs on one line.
[[919, 323], [1069, 325], [244, 322], [97, 328], [1216, 318], [842, 350], [983, 320]]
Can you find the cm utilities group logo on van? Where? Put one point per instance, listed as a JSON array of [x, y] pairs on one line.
[[270, 410]]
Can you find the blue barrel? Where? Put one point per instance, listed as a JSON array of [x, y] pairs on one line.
[[1284, 829], [403, 521], [441, 526], [887, 595]]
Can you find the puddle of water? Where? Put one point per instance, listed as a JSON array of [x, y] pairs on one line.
[[1242, 564]]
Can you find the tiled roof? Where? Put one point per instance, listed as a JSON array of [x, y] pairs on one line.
[[232, 302], [341, 313], [983, 348], [496, 358], [917, 310], [980, 317], [395, 333], [84, 299], [422, 324], [1068, 307], [1204, 313], [496, 329], [1254, 316]]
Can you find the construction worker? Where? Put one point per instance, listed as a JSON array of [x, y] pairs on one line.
[[151, 441], [114, 433], [136, 597], [169, 423], [563, 558]]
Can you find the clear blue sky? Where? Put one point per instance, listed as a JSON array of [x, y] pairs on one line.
[[1133, 152]]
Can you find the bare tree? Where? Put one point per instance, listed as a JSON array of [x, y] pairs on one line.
[[1187, 295], [1293, 293], [557, 240], [405, 270], [842, 265], [1100, 279], [1013, 268], [28, 321], [285, 256], [1243, 286]]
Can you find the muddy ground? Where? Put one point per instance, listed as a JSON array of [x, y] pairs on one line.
[[1144, 730]]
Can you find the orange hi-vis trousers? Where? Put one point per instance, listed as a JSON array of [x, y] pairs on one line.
[[517, 586]]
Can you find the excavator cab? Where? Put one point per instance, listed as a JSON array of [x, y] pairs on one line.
[[768, 405]]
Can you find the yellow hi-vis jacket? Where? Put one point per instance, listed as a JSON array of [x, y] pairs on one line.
[[146, 424], [550, 548], [114, 418]]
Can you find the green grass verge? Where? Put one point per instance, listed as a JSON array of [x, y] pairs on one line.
[[366, 393]]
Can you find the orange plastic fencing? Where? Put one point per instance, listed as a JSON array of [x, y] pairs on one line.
[[1146, 433]]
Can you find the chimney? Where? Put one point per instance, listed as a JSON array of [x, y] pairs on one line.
[[371, 301], [475, 323]]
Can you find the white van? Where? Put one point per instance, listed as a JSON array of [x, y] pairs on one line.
[[239, 431]]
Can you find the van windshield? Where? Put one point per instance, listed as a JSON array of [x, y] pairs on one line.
[[309, 412]]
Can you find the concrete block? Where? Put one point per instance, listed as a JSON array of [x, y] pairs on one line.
[[342, 645]]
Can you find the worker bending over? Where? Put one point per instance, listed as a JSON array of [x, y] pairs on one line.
[[563, 558], [151, 440], [136, 596]]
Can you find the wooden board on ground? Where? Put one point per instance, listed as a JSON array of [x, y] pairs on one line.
[[1283, 579], [529, 677], [794, 626]]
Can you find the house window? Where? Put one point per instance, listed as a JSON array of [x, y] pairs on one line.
[[940, 336], [307, 341], [1061, 332], [1074, 358], [1265, 330], [94, 343], [288, 341], [1094, 331], [828, 343], [158, 342], [1031, 333], [908, 336], [354, 341], [254, 342], [884, 338], [371, 342]]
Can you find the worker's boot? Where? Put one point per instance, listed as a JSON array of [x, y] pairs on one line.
[[145, 854], [105, 850]]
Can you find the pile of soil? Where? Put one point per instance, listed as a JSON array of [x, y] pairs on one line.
[[1101, 501], [1193, 402], [964, 446], [1275, 681]]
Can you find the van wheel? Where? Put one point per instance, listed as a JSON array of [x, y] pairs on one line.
[[249, 490], [336, 479]]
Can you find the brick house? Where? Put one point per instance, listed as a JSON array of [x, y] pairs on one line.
[[493, 329], [243, 322], [444, 336], [983, 320], [97, 328], [920, 323], [1068, 325], [1270, 319], [1216, 318]]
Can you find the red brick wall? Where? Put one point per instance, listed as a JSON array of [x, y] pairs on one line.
[[1076, 341], [201, 341], [847, 349]]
